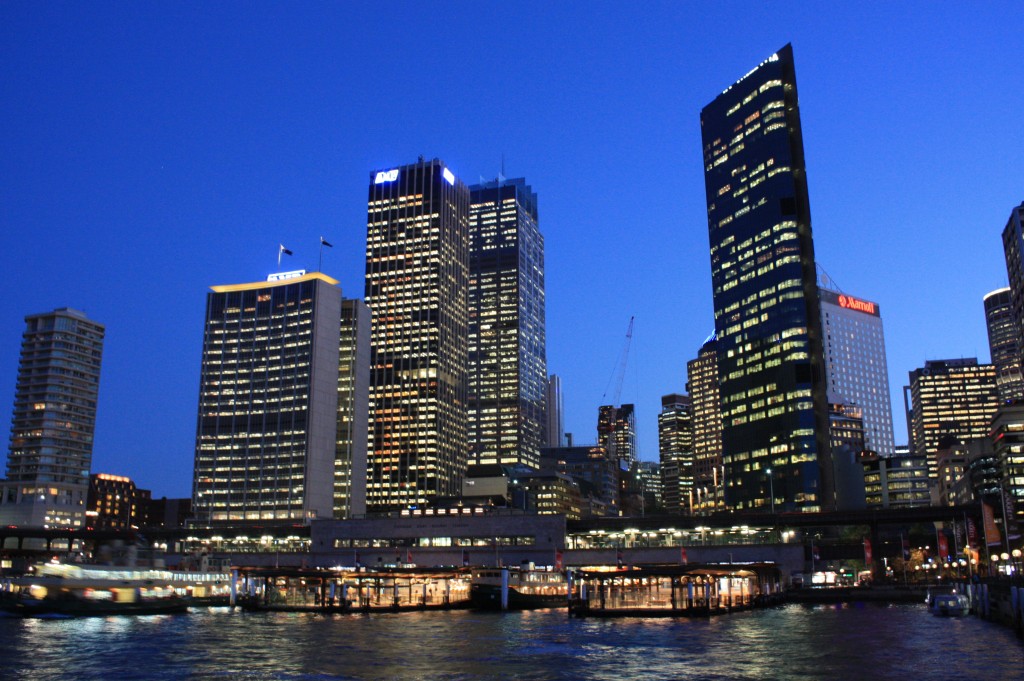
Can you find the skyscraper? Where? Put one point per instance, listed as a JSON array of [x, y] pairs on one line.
[[702, 384], [855, 364], [353, 389], [507, 347], [555, 411], [1013, 250], [949, 401], [417, 263], [675, 450], [616, 432], [54, 419], [266, 437], [767, 319], [1004, 344]]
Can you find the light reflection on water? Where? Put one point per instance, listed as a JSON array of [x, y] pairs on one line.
[[793, 642]]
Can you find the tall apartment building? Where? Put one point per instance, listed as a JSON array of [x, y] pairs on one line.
[[555, 413], [54, 420], [767, 316], [1013, 250], [702, 384], [266, 435], [856, 371], [1004, 344], [616, 432], [508, 378], [353, 389], [949, 401], [675, 451], [417, 272]]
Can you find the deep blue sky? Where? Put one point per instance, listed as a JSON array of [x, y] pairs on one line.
[[150, 150]]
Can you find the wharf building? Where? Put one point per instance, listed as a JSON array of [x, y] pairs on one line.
[[856, 370], [554, 435], [616, 432], [417, 273], [708, 472], [353, 409], [54, 420], [266, 436], [675, 450], [508, 381], [1004, 344], [949, 401], [1013, 250], [767, 316]]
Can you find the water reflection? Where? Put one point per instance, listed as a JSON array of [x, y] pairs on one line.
[[794, 642]]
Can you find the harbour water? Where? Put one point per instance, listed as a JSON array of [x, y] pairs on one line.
[[790, 642]]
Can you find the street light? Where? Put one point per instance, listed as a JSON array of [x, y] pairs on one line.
[[771, 487]]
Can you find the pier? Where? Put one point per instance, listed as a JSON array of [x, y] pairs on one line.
[[676, 591]]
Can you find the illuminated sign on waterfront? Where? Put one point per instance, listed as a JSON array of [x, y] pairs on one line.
[[448, 176], [281, 276], [386, 176]]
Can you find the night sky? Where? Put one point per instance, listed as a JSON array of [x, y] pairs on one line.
[[151, 150]]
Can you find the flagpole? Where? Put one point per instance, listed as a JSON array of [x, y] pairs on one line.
[[320, 263]]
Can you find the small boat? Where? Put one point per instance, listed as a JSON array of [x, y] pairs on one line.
[[526, 589], [949, 605]]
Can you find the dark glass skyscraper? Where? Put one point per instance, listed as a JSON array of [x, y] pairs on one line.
[[774, 408], [417, 265], [507, 343], [1004, 344]]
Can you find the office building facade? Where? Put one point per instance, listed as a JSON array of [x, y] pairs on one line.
[[555, 413], [616, 432], [1013, 250], [508, 380], [675, 451], [266, 437], [1004, 344], [767, 317], [54, 420], [417, 265], [353, 410], [708, 473], [856, 371], [949, 401]]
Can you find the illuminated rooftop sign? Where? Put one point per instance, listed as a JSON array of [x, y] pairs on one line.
[[386, 176], [448, 176], [849, 302], [294, 274]]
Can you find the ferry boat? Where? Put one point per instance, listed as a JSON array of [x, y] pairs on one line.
[[949, 604], [525, 589], [57, 591]]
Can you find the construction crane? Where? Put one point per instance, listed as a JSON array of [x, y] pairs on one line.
[[618, 376]]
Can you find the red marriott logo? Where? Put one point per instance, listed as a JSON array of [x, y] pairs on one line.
[[851, 303]]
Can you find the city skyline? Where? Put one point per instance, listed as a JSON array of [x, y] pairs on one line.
[[136, 167]]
